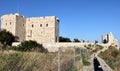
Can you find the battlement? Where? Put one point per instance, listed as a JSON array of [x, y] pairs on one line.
[[12, 15]]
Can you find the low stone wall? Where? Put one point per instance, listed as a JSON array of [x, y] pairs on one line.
[[67, 44], [15, 43], [53, 47]]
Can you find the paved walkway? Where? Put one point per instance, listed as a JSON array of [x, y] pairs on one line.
[[103, 64], [105, 67]]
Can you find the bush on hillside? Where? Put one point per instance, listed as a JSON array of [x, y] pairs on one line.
[[114, 51], [76, 40], [97, 48], [29, 46], [64, 39], [85, 60], [89, 45], [100, 47], [6, 37]]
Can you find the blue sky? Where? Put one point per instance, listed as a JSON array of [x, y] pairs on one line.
[[83, 19]]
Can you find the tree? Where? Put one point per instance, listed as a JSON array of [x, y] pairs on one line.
[[76, 40], [6, 37], [96, 41], [64, 39], [83, 41]]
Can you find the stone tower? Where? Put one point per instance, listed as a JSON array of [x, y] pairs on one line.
[[14, 23], [111, 41], [111, 38], [104, 38], [41, 29], [51, 29]]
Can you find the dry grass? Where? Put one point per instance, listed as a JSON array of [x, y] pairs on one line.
[[27, 61], [97, 48], [34, 61], [112, 58]]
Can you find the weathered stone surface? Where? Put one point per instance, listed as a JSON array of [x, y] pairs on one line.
[[111, 41], [41, 29]]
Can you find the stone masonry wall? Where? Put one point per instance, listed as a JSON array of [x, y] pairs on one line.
[[20, 27], [40, 29], [15, 24], [9, 23]]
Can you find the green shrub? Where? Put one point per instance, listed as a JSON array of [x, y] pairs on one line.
[[100, 47], [64, 39], [73, 68], [29, 46], [76, 40], [115, 53], [14, 48], [89, 45], [85, 60]]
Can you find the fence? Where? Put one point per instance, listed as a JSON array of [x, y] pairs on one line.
[[70, 59], [66, 59]]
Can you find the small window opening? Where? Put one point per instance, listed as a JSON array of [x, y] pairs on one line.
[[46, 25], [32, 25], [10, 23], [40, 25], [56, 39]]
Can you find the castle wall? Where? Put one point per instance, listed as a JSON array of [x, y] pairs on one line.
[[54, 47], [51, 31], [20, 27], [104, 38], [111, 38], [14, 24], [57, 30], [33, 29], [42, 29], [9, 23]]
